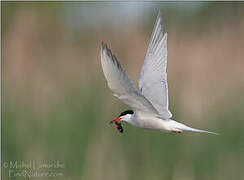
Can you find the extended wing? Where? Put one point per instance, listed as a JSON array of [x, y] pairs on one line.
[[120, 84], [153, 77]]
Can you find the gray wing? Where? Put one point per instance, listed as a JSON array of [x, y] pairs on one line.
[[120, 84], [153, 77]]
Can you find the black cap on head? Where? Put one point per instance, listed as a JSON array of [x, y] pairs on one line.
[[126, 112]]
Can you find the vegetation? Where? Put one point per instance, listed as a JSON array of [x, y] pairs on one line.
[[57, 107]]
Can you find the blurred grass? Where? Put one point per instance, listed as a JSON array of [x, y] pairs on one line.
[[56, 105]]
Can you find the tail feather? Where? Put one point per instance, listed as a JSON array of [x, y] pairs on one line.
[[183, 127], [186, 128]]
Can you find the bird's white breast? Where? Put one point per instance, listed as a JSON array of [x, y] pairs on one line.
[[148, 122]]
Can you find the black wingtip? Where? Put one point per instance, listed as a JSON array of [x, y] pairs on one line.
[[103, 45], [108, 51]]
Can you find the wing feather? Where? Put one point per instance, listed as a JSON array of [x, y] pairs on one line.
[[120, 84], [153, 77]]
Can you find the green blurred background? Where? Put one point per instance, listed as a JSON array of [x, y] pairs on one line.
[[56, 105]]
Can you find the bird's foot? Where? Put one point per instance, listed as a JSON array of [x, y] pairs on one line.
[[176, 131]]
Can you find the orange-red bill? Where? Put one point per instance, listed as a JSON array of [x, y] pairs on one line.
[[116, 120]]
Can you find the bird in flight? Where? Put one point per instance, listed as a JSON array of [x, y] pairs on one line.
[[149, 104]]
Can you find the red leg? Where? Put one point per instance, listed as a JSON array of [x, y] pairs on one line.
[[176, 131]]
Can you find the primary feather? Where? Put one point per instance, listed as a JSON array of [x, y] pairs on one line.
[[120, 84], [153, 77]]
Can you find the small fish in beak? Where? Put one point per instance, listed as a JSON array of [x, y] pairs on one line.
[[118, 124]]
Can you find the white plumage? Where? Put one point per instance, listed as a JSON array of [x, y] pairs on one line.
[[153, 77], [150, 104]]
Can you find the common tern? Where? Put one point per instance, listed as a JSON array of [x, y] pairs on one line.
[[150, 103]]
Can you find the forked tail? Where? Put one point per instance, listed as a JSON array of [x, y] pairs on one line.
[[187, 128]]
